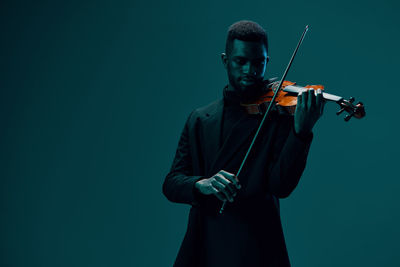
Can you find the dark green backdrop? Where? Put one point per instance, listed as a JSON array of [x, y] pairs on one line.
[[93, 97]]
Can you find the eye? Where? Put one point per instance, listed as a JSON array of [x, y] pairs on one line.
[[240, 61], [260, 62]]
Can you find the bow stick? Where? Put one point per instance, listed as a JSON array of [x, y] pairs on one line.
[[268, 109]]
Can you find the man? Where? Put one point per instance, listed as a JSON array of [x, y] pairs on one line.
[[210, 150]]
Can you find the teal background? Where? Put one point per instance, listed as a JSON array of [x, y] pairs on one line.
[[94, 95]]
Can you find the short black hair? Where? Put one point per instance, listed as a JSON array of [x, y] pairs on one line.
[[246, 30]]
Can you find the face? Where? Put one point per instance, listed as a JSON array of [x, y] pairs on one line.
[[246, 66]]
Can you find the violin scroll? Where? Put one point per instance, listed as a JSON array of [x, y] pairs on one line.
[[357, 110]]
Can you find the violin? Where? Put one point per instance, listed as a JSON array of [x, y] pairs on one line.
[[287, 98]]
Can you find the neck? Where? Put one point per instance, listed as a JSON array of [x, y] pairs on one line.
[[248, 96]]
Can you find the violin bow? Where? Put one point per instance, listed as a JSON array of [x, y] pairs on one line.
[[268, 109]]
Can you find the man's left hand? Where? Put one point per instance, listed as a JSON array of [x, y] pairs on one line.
[[309, 109]]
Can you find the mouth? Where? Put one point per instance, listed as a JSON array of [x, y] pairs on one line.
[[248, 78], [247, 81]]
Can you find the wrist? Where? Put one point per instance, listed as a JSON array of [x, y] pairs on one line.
[[197, 185]]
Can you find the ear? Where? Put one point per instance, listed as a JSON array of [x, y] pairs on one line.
[[224, 60]]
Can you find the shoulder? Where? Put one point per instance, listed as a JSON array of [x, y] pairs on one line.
[[208, 110], [208, 113]]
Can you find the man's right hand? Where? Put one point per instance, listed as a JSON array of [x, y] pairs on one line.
[[223, 185]]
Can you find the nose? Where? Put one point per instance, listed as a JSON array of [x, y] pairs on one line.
[[249, 69]]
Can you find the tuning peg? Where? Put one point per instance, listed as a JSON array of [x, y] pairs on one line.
[[351, 99], [348, 117], [340, 111]]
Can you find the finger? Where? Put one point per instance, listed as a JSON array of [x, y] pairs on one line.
[[229, 185], [299, 98], [214, 190], [323, 106], [218, 194], [311, 99], [304, 101], [231, 178], [222, 188], [319, 100]]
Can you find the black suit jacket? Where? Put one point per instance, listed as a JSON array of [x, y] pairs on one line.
[[272, 171]]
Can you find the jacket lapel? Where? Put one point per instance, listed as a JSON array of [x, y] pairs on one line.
[[211, 131], [234, 141], [217, 155]]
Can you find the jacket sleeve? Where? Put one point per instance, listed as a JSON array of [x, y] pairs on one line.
[[179, 183], [289, 166]]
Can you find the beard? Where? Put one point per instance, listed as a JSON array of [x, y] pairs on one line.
[[248, 92]]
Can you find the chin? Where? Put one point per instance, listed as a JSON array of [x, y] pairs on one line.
[[250, 91]]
